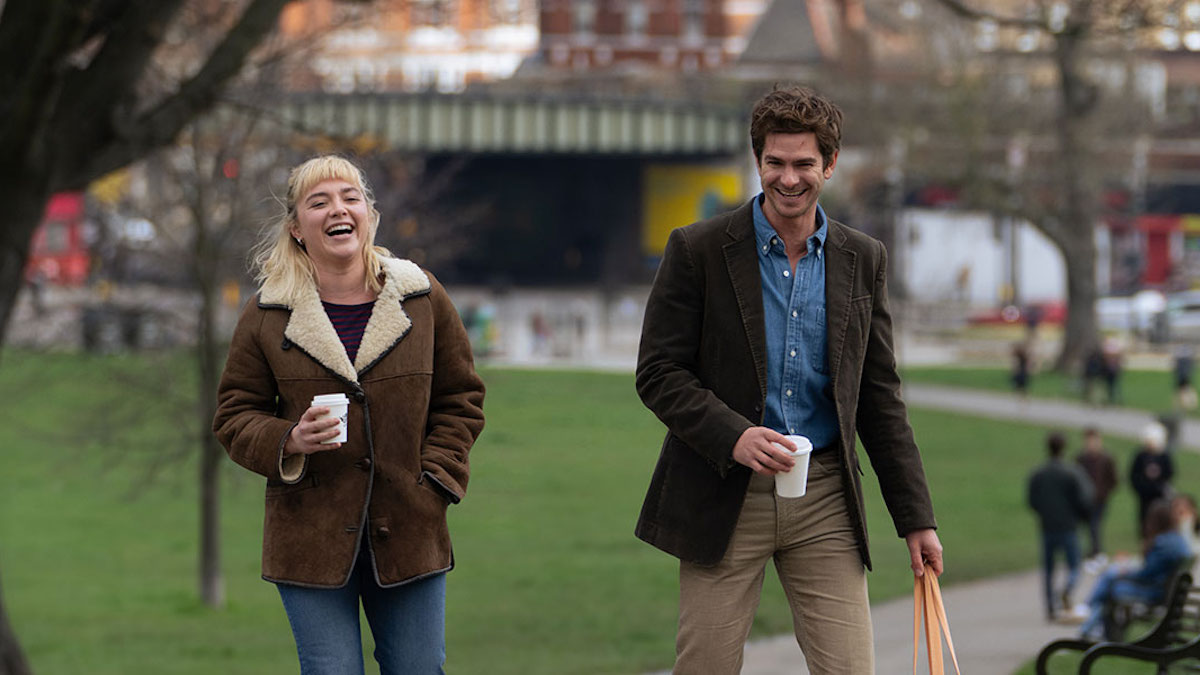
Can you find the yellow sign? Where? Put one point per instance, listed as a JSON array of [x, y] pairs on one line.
[[110, 188], [231, 294], [675, 195]]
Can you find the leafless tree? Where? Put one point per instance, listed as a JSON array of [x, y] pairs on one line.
[[85, 95], [206, 196], [1065, 205]]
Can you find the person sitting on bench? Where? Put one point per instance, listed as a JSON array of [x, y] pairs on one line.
[[1165, 550]]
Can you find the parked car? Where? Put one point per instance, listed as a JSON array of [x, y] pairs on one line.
[[1180, 321], [1137, 313]]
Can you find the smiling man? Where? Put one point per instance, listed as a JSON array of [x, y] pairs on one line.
[[767, 321]]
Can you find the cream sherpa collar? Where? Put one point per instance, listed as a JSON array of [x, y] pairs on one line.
[[310, 329]]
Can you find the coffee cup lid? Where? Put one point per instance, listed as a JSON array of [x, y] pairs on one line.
[[802, 443], [330, 399]]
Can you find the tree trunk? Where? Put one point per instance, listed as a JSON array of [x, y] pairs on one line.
[[1079, 333], [1074, 230], [25, 201], [12, 660], [212, 583]]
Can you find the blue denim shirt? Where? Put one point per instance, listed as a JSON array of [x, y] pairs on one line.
[[799, 395]]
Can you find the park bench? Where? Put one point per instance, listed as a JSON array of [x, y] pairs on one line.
[[1175, 638], [1119, 615]]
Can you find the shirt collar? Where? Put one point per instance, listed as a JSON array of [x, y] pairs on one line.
[[764, 233]]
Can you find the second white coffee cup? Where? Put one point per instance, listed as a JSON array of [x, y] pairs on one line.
[[339, 407], [794, 483]]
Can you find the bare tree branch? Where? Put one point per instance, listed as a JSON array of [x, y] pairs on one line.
[[161, 124], [965, 11]]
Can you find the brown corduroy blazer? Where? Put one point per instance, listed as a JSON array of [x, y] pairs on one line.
[[702, 370], [416, 407]]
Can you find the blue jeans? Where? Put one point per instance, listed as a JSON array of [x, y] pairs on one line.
[[1068, 543], [1110, 587], [408, 624]]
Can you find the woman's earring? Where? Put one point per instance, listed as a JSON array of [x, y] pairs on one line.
[[300, 241]]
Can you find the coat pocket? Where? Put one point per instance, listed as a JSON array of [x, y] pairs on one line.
[[279, 489]]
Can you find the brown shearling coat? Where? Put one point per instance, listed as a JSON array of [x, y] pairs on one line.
[[702, 370], [416, 407]]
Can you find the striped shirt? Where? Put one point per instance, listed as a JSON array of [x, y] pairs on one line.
[[349, 321]]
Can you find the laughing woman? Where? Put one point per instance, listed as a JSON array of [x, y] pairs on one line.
[[363, 520]]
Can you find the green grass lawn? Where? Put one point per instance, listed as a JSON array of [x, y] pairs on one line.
[[98, 565]]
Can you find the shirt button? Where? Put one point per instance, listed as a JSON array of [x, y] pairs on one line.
[[788, 392], [791, 430], [793, 352], [787, 273], [764, 247], [793, 313]]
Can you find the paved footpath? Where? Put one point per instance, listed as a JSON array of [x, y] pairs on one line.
[[997, 624], [1067, 415]]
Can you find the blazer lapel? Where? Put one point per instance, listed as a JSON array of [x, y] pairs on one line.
[[839, 286], [741, 258]]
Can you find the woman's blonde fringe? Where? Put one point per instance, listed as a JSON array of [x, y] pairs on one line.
[[281, 266]]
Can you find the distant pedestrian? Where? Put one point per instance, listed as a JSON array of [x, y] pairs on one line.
[[1183, 365], [1102, 471], [1113, 358], [1151, 471], [1033, 318], [1022, 366], [1061, 495], [1093, 370], [1181, 370]]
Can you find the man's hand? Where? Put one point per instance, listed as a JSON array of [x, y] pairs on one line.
[[754, 449], [924, 548]]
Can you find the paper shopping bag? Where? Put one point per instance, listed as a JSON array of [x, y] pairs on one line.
[[929, 610]]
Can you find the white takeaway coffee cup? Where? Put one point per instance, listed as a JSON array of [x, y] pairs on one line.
[[339, 407], [794, 483]]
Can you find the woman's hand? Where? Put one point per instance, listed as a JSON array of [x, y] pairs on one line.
[[307, 436]]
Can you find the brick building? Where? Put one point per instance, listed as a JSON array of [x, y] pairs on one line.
[[410, 45], [675, 35]]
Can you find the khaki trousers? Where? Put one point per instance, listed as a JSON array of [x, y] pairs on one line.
[[816, 555]]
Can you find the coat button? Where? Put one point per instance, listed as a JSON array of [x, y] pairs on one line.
[[364, 464], [360, 396], [383, 532]]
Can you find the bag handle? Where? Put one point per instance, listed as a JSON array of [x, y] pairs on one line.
[[927, 602]]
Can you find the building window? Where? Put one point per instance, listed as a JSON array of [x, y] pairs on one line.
[[637, 17], [693, 20], [54, 238], [431, 12], [506, 11], [585, 16]]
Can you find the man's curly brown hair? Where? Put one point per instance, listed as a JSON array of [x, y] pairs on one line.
[[796, 110]]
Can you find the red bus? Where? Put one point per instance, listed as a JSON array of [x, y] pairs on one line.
[[59, 254]]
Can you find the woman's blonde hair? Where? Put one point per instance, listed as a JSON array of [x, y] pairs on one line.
[[281, 265]]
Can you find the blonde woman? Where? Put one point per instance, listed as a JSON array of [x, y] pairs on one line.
[[363, 520]]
